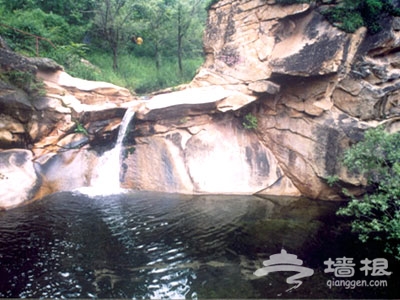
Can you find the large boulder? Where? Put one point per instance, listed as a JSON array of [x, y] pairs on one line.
[[85, 91], [65, 171], [201, 155], [18, 178], [55, 116]]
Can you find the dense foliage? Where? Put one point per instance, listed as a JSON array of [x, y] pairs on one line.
[[102, 32], [352, 14], [349, 15], [96, 39], [377, 215]]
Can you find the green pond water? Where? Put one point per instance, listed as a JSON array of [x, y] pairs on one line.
[[148, 245]]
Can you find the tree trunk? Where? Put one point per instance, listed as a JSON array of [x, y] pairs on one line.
[[180, 56], [157, 56], [114, 46], [115, 58], [180, 36]]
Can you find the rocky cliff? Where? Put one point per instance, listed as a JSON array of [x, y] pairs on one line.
[[312, 88], [318, 88]]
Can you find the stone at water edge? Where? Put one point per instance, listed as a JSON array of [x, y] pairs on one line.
[[18, 178]]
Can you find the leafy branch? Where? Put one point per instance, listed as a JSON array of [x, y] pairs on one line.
[[377, 215]]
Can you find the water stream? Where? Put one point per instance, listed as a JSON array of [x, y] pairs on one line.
[[153, 246], [101, 243], [106, 174]]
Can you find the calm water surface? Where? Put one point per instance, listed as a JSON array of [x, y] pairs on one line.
[[146, 245]]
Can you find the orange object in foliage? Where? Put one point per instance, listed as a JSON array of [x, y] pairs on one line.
[[137, 40]]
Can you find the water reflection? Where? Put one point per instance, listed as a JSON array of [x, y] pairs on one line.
[[146, 245]]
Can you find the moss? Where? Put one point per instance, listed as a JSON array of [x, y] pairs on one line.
[[26, 81]]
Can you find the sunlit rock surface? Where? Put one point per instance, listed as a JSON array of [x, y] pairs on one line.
[[202, 156], [18, 178], [65, 171], [331, 86], [313, 89]]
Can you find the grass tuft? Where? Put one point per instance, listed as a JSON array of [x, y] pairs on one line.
[[138, 74]]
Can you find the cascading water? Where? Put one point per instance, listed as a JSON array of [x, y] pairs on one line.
[[106, 175]]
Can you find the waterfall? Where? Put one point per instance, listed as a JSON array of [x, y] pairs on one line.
[[106, 174]]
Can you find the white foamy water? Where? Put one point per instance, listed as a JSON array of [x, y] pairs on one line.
[[106, 174]]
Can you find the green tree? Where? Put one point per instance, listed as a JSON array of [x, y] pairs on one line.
[[79, 11], [377, 214], [113, 21], [187, 14], [36, 22], [100, 32], [171, 29], [158, 29]]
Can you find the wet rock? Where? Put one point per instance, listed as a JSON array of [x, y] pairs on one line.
[[65, 171], [18, 179], [73, 141], [202, 160], [11, 132], [15, 102], [10, 61], [312, 88]]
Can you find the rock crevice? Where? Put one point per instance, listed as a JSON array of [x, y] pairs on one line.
[[311, 90]]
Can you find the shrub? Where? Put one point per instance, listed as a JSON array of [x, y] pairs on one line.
[[70, 57], [140, 74], [250, 121], [79, 128], [377, 214], [345, 19], [36, 22], [352, 14], [27, 82]]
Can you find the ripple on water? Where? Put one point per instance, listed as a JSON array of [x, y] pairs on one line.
[[71, 245], [143, 245]]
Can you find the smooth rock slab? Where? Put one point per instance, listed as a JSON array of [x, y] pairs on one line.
[[216, 158]]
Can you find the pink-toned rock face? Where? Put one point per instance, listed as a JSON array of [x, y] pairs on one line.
[[65, 171], [312, 88], [328, 83], [86, 91], [216, 157], [253, 40]]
